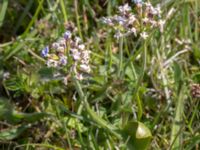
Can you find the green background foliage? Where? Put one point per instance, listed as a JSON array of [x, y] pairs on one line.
[[113, 108]]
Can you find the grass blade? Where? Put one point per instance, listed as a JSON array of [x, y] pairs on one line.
[[3, 11]]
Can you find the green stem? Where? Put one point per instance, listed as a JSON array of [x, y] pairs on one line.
[[77, 19], [3, 11], [176, 135], [139, 82], [92, 114], [34, 17], [62, 4], [120, 57]]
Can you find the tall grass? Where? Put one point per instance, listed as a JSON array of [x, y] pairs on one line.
[[136, 86]]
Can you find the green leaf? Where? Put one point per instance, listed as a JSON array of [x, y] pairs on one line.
[[12, 133], [178, 76], [176, 134], [130, 74], [192, 142], [196, 77], [75, 124], [29, 117], [5, 108], [8, 113], [196, 53], [3, 11], [137, 135]]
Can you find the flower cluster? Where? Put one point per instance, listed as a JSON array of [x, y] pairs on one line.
[[70, 53], [195, 90], [137, 21]]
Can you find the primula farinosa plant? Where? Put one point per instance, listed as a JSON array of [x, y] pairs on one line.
[[138, 21], [69, 53]]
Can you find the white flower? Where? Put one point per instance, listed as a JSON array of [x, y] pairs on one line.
[[55, 75], [125, 8], [60, 49], [79, 76], [62, 42], [154, 11], [144, 35], [118, 35], [85, 61], [85, 68], [161, 24], [65, 80], [85, 54], [107, 21], [131, 19], [148, 4], [6, 75], [55, 45], [77, 40], [81, 46], [76, 54], [153, 23], [158, 10], [145, 20], [52, 63], [133, 30]]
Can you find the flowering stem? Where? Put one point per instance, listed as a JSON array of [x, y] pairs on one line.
[[92, 114], [139, 103], [162, 70]]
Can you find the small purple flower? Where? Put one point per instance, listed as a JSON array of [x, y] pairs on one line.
[[63, 60], [119, 19], [67, 35], [45, 51]]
